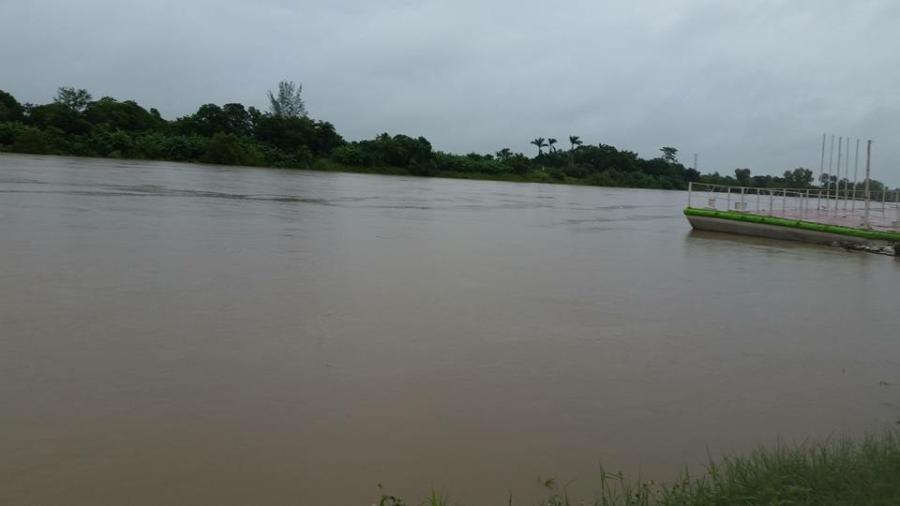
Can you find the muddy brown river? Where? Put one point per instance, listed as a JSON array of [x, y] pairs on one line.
[[198, 335]]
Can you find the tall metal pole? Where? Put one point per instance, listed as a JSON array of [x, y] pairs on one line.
[[837, 181], [843, 159], [830, 165], [897, 208], [847, 175], [844, 178], [830, 154], [822, 162], [868, 173], [855, 174]]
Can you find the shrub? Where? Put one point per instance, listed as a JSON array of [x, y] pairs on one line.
[[9, 132], [225, 149], [31, 140]]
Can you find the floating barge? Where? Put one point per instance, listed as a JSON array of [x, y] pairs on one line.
[[836, 218]]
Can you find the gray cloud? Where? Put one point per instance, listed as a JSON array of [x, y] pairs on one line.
[[744, 84]]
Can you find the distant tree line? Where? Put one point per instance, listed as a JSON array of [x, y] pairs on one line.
[[799, 178], [285, 136]]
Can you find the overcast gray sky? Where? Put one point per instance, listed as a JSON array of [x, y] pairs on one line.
[[742, 83]]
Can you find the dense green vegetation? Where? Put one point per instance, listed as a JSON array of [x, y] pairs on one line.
[[285, 136], [822, 474]]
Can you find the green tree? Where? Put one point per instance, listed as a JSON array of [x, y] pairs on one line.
[[31, 140], [111, 143], [9, 131], [353, 155], [150, 145], [550, 142], [326, 138], [76, 100], [798, 178], [658, 167], [286, 133], [742, 176], [128, 115], [10, 108], [237, 120], [208, 120], [504, 154], [670, 154], [831, 180], [540, 142], [184, 148], [225, 149], [518, 163], [60, 116], [399, 150], [575, 141], [287, 103]]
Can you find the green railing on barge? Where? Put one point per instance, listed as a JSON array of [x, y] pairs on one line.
[[873, 235]]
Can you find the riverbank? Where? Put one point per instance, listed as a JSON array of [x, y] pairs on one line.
[[833, 472], [74, 124], [539, 176], [327, 165]]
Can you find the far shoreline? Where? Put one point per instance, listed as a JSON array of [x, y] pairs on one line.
[[323, 168]]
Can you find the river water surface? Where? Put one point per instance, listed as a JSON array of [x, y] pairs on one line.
[[189, 334]]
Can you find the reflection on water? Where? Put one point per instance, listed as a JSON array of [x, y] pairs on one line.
[[174, 333]]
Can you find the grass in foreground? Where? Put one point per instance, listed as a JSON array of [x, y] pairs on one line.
[[841, 472]]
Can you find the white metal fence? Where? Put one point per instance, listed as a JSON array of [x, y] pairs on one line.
[[846, 206]]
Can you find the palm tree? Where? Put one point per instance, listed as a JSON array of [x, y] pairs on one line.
[[550, 142], [504, 154], [539, 142], [575, 141]]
